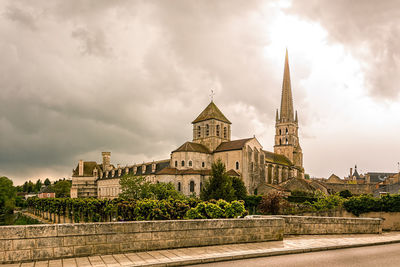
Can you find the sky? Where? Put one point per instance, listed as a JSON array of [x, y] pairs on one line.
[[81, 77]]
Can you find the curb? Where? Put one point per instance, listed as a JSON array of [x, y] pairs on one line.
[[263, 254]]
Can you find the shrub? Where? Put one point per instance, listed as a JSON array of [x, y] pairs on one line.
[[273, 203]]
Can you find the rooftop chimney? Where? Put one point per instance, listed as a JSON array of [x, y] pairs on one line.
[[106, 160], [80, 171]]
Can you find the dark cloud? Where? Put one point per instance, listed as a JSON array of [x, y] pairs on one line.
[[125, 76], [369, 29]]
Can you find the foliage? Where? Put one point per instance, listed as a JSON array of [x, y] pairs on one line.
[[47, 182], [307, 176], [95, 210], [62, 188], [220, 185], [298, 196], [273, 203], [366, 203], [328, 202], [7, 196], [345, 194], [134, 187], [251, 203], [219, 209], [239, 187]]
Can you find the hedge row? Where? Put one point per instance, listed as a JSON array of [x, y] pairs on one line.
[[96, 210], [367, 203]]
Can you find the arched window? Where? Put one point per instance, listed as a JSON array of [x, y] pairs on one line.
[[176, 163], [207, 130], [198, 131], [203, 164], [280, 141], [225, 132], [183, 163], [287, 142], [179, 186], [190, 163], [237, 165], [286, 131], [191, 186], [280, 132], [217, 130]]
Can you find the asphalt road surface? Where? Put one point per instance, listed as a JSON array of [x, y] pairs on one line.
[[383, 255]]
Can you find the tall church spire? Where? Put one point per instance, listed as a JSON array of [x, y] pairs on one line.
[[286, 101]]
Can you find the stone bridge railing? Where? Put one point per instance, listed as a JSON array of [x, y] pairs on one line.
[[51, 241]]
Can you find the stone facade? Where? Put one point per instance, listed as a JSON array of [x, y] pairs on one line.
[[190, 164]]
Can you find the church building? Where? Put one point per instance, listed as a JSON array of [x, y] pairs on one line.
[[190, 164]]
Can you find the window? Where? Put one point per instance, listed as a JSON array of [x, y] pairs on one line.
[[191, 186], [280, 132], [203, 164], [207, 130], [217, 130], [183, 163], [286, 131], [198, 131], [225, 132], [237, 165], [287, 142], [176, 163], [190, 163], [179, 186], [280, 141]]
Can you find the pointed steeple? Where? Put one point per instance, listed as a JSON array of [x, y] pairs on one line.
[[286, 101], [277, 116], [296, 118]]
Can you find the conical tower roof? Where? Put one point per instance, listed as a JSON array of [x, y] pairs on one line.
[[211, 112], [287, 100]]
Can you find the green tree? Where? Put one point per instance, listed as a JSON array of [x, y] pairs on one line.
[[47, 182], [239, 187], [38, 185], [164, 191], [62, 188], [7, 196], [219, 186], [134, 187]]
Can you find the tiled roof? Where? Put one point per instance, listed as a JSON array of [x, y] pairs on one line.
[[211, 112], [192, 147], [277, 158], [376, 177], [160, 165], [232, 145]]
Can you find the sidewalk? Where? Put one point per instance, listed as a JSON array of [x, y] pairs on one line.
[[187, 256]]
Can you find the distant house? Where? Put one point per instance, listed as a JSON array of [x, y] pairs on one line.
[[26, 196], [46, 192]]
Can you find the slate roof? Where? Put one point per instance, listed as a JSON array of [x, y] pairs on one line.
[[376, 177], [192, 147], [211, 112], [160, 165], [88, 167], [277, 158], [232, 145]]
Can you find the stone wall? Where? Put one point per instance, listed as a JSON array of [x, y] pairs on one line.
[[40, 242], [391, 220], [305, 225], [356, 189]]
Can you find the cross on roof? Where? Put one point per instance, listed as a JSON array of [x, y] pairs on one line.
[[212, 95]]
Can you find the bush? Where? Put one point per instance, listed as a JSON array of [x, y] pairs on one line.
[[219, 209], [251, 203], [298, 196], [345, 194], [328, 202], [273, 203]]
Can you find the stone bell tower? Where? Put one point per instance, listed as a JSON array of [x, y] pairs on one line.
[[211, 127], [286, 126]]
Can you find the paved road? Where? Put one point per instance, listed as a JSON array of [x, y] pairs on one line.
[[383, 255]]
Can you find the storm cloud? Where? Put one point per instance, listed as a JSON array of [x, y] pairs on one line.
[[81, 77]]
